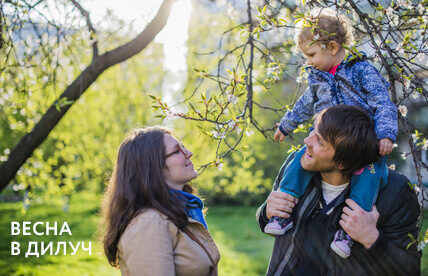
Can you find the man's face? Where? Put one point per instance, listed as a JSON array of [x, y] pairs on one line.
[[319, 154]]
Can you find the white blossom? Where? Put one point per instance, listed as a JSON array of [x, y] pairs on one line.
[[415, 138], [316, 37], [198, 111], [395, 145], [395, 20], [404, 156], [7, 151], [406, 83], [249, 132], [299, 79], [295, 49], [403, 110], [390, 11], [421, 9], [231, 124], [412, 21], [421, 56], [322, 46], [400, 48], [392, 167], [274, 72], [168, 114], [226, 111], [415, 95], [220, 166], [416, 189], [220, 135], [239, 130], [3, 158], [232, 99], [404, 4], [425, 146], [421, 246]]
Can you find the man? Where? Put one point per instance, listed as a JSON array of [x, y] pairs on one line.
[[381, 236]]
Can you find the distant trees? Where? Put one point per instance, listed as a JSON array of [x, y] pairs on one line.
[[41, 46]]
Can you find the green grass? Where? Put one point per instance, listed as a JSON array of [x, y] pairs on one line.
[[244, 250]]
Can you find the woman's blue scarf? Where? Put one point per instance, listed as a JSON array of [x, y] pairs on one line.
[[194, 206]]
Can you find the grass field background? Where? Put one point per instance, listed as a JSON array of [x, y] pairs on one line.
[[244, 249]]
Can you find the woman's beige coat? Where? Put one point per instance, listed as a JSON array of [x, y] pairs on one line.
[[153, 245]]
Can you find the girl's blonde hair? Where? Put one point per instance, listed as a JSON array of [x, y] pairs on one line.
[[325, 25]]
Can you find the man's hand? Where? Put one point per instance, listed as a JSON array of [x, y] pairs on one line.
[[385, 146], [359, 224], [278, 135], [280, 204]]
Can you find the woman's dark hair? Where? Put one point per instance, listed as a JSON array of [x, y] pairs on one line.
[[138, 183], [351, 132]]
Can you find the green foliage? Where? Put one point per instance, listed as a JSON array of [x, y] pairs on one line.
[[81, 150], [244, 249]]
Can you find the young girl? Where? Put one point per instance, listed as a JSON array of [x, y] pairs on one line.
[[333, 80]]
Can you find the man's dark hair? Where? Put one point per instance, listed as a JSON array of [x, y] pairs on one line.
[[351, 132]]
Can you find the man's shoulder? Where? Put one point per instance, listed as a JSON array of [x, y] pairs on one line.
[[397, 186]]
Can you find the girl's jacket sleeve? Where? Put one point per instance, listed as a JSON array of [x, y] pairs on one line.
[[303, 110]]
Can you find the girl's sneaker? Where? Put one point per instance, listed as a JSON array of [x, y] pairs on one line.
[[278, 225], [342, 244]]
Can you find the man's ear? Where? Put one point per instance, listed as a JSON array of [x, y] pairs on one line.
[[341, 167], [334, 47]]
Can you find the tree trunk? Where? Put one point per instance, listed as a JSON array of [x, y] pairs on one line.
[[24, 149]]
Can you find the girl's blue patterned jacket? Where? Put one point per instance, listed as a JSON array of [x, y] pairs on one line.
[[356, 82]]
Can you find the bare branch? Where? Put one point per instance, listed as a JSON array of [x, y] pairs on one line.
[[85, 14]]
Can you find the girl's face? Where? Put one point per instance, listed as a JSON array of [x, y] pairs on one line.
[[178, 168], [319, 56]]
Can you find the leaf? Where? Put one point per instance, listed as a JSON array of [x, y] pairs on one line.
[[151, 96]]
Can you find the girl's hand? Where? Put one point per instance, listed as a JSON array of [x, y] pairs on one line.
[[385, 146], [278, 135]]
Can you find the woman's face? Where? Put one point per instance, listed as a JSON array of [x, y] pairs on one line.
[[178, 168]]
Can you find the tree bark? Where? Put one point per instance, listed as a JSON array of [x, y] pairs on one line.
[[25, 147]]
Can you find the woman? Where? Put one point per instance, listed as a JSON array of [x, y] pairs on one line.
[[155, 224]]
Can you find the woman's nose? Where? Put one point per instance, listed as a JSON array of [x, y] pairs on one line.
[[188, 153]]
